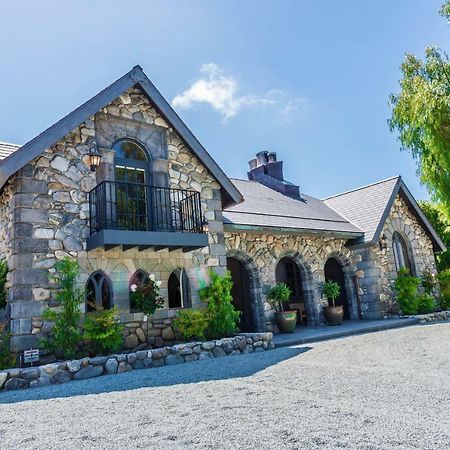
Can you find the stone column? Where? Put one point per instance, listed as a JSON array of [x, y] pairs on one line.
[[28, 295]]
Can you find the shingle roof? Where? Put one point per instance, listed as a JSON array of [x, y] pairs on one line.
[[135, 77], [364, 206], [265, 207], [7, 149], [369, 206]]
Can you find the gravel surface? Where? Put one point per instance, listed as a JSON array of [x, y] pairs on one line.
[[385, 390]]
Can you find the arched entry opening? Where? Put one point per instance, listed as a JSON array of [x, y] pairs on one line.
[[334, 272], [240, 292], [287, 271]]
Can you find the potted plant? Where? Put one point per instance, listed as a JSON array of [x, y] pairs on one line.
[[334, 314], [285, 320]]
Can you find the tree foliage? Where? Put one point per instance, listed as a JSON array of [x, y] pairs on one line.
[[438, 219], [421, 116], [223, 318], [3, 273], [66, 335]]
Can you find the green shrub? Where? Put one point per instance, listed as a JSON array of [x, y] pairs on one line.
[[331, 290], [7, 359], [102, 332], [66, 334], [444, 286], [145, 297], [406, 287], [428, 281], [223, 318], [3, 273], [279, 294], [426, 304], [191, 324]]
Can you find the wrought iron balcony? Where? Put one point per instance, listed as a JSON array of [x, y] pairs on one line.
[[139, 215]]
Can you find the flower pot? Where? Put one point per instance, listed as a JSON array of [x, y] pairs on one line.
[[334, 315], [286, 321]]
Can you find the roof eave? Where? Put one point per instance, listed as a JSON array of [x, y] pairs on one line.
[[288, 230]]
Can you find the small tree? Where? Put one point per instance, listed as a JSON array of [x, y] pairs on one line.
[[222, 316], [102, 332], [7, 359], [331, 290], [66, 335], [145, 297], [191, 323], [278, 295]]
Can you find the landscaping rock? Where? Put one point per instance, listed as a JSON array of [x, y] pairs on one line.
[[16, 383], [88, 372], [218, 352], [98, 360], [124, 367], [131, 341], [3, 377], [111, 366], [61, 377]]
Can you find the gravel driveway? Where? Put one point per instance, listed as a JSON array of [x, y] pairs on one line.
[[383, 390]]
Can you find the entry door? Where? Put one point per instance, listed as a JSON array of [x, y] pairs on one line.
[[241, 293], [334, 272]]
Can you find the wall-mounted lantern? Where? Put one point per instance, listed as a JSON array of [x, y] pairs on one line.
[[94, 158], [383, 242], [205, 226]]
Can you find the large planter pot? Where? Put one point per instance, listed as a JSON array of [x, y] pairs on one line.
[[286, 321], [334, 315]]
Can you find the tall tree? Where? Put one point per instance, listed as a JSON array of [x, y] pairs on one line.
[[421, 115], [441, 224]]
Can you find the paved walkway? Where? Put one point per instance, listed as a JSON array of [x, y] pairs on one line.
[[303, 335]]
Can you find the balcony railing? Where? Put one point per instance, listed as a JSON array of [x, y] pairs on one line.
[[117, 205]]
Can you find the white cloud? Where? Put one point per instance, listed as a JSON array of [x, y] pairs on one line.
[[222, 92]]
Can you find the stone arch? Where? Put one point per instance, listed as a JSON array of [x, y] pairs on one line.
[[349, 269], [309, 286], [255, 287]]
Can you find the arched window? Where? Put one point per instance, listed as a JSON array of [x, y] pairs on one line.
[[131, 169], [401, 255], [139, 278], [179, 289], [98, 292]]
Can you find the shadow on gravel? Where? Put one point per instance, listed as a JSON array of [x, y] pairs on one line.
[[213, 369]]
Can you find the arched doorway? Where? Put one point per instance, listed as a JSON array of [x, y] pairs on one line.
[[241, 293], [334, 272], [288, 272]]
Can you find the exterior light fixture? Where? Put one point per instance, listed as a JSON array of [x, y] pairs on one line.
[[205, 226], [94, 158], [383, 242]]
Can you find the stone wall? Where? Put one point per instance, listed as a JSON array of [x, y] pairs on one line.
[[49, 215], [403, 221], [81, 369], [260, 253]]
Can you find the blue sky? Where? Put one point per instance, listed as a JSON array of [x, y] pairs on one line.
[[308, 79]]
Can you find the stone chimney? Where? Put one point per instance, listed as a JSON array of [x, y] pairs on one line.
[[268, 171]]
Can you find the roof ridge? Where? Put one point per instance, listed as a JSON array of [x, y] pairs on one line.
[[362, 187], [9, 143]]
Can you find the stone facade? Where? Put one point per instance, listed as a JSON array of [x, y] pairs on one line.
[[261, 252], [420, 249], [47, 216], [44, 216]]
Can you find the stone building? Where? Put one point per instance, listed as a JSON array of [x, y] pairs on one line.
[[159, 204]]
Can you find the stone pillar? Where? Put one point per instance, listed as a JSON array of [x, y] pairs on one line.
[[370, 284], [27, 296]]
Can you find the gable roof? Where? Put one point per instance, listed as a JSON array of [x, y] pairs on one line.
[[266, 208], [369, 206], [7, 149], [135, 78]]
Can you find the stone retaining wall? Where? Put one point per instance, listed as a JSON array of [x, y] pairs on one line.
[[81, 369], [432, 317]]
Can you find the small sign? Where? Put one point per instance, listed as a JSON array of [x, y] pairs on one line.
[[30, 356]]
